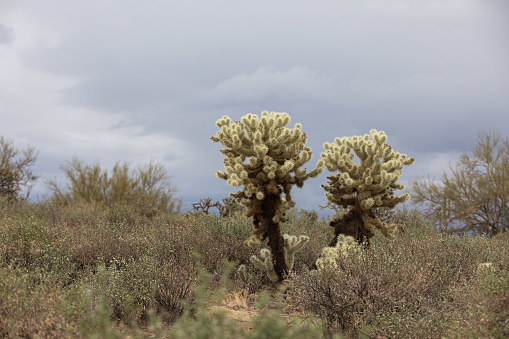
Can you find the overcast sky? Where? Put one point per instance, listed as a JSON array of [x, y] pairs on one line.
[[118, 80]]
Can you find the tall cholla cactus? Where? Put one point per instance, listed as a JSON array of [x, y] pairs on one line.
[[364, 186], [266, 158]]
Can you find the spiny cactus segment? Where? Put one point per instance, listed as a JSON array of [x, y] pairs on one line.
[[292, 245], [266, 265]]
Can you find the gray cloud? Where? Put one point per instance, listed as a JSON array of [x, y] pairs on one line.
[[117, 81], [6, 35]]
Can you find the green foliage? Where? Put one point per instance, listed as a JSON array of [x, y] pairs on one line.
[[486, 310], [265, 157], [474, 197], [147, 189], [9, 184], [31, 306], [24, 232], [15, 173], [364, 187]]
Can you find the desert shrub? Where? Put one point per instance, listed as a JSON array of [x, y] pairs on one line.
[[146, 190], [200, 321], [129, 286], [250, 279], [29, 308], [481, 308], [473, 197], [177, 285], [16, 176], [395, 287], [216, 239], [132, 287]]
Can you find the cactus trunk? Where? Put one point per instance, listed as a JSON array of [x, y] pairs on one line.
[[273, 232], [351, 224]]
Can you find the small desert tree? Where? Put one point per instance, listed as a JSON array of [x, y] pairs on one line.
[[361, 188], [146, 189], [265, 157], [474, 197], [16, 175]]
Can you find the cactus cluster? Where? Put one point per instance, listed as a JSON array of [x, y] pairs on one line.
[[363, 187], [266, 158], [292, 245], [345, 246]]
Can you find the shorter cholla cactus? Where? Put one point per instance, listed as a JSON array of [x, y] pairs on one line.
[[345, 245], [267, 265], [485, 266], [364, 186], [242, 272], [292, 245]]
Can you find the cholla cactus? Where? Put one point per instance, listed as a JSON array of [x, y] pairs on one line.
[[364, 186], [267, 265], [265, 157], [292, 245], [345, 245], [486, 267]]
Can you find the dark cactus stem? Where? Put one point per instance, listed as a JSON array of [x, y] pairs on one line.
[[273, 232], [351, 224]]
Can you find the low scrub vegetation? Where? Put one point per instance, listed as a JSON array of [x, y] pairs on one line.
[[83, 271], [110, 255]]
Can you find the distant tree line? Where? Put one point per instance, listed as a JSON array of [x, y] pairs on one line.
[[146, 189], [473, 197]]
